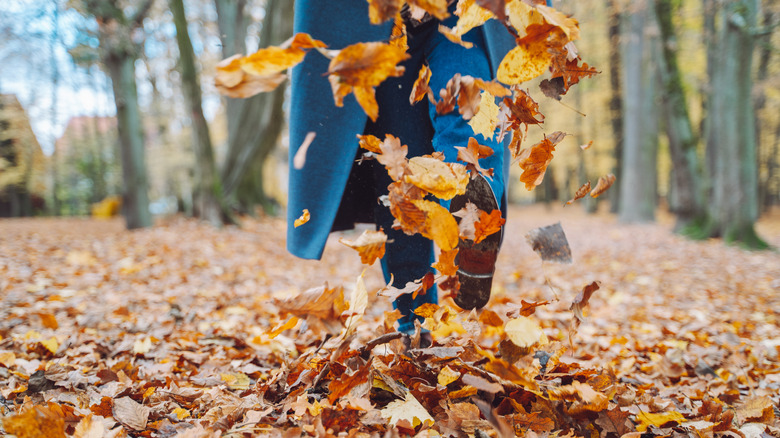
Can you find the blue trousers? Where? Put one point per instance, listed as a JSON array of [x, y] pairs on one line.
[[408, 258]]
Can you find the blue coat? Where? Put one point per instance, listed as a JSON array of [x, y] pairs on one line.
[[320, 184]]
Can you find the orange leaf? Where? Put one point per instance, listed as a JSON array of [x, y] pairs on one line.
[[35, 422], [605, 182], [581, 193], [471, 155], [382, 10], [440, 226], [487, 224], [446, 263], [534, 161], [370, 245], [370, 143], [582, 298], [361, 67], [305, 216], [421, 86]]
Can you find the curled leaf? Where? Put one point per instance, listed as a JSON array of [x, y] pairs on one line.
[[605, 182]]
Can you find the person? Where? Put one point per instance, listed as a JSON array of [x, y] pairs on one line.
[[338, 192]]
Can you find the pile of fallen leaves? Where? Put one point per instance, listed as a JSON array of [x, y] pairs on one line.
[[183, 330]]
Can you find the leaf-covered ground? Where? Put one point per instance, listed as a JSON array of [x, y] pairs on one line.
[[184, 330]]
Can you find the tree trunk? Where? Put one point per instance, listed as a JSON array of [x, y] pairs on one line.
[[734, 206], [121, 67], [638, 188], [616, 100], [765, 147], [686, 202], [208, 191], [263, 113]]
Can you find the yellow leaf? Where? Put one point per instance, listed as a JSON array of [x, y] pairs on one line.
[[7, 359], [557, 18], [149, 391], [370, 245], [237, 381], [89, 427], [181, 413], [524, 63], [409, 409], [142, 346], [521, 15], [466, 391], [439, 225], [35, 422], [443, 180], [646, 419], [305, 216], [51, 344], [447, 375], [524, 332], [470, 15], [290, 323], [358, 301], [485, 120]]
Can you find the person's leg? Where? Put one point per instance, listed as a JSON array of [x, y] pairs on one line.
[[445, 59], [407, 258], [476, 261]]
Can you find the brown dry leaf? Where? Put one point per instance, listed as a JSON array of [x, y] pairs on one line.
[[582, 298], [410, 218], [321, 302], [300, 156], [347, 381], [380, 11], [360, 67], [130, 413], [232, 81], [534, 161], [445, 264], [487, 225], [305, 217], [443, 180], [497, 7], [370, 245], [581, 193], [393, 157], [526, 309], [471, 155], [439, 226], [615, 421], [7, 359], [605, 182], [469, 215], [757, 410], [89, 427], [398, 35], [35, 422], [421, 86]]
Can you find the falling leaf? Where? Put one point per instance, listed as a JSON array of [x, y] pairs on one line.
[[421, 86], [439, 226], [305, 216], [470, 15], [526, 308], [443, 180], [523, 63], [487, 225], [581, 193], [361, 67], [524, 332], [472, 154], [300, 156], [323, 303], [550, 243], [586, 146], [604, 183], [558, 19], [409, 409], [232, 81], [370, 245], [446, 262], [370, 143], [380, 11], [582, 299], [393, 157], [358, 301], [485, 120], [534, 161], [452, 35], [437, 8], [497, 7], [469, 215], [130, 413]]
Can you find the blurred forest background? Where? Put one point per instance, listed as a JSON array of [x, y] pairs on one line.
[[109, 107]]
